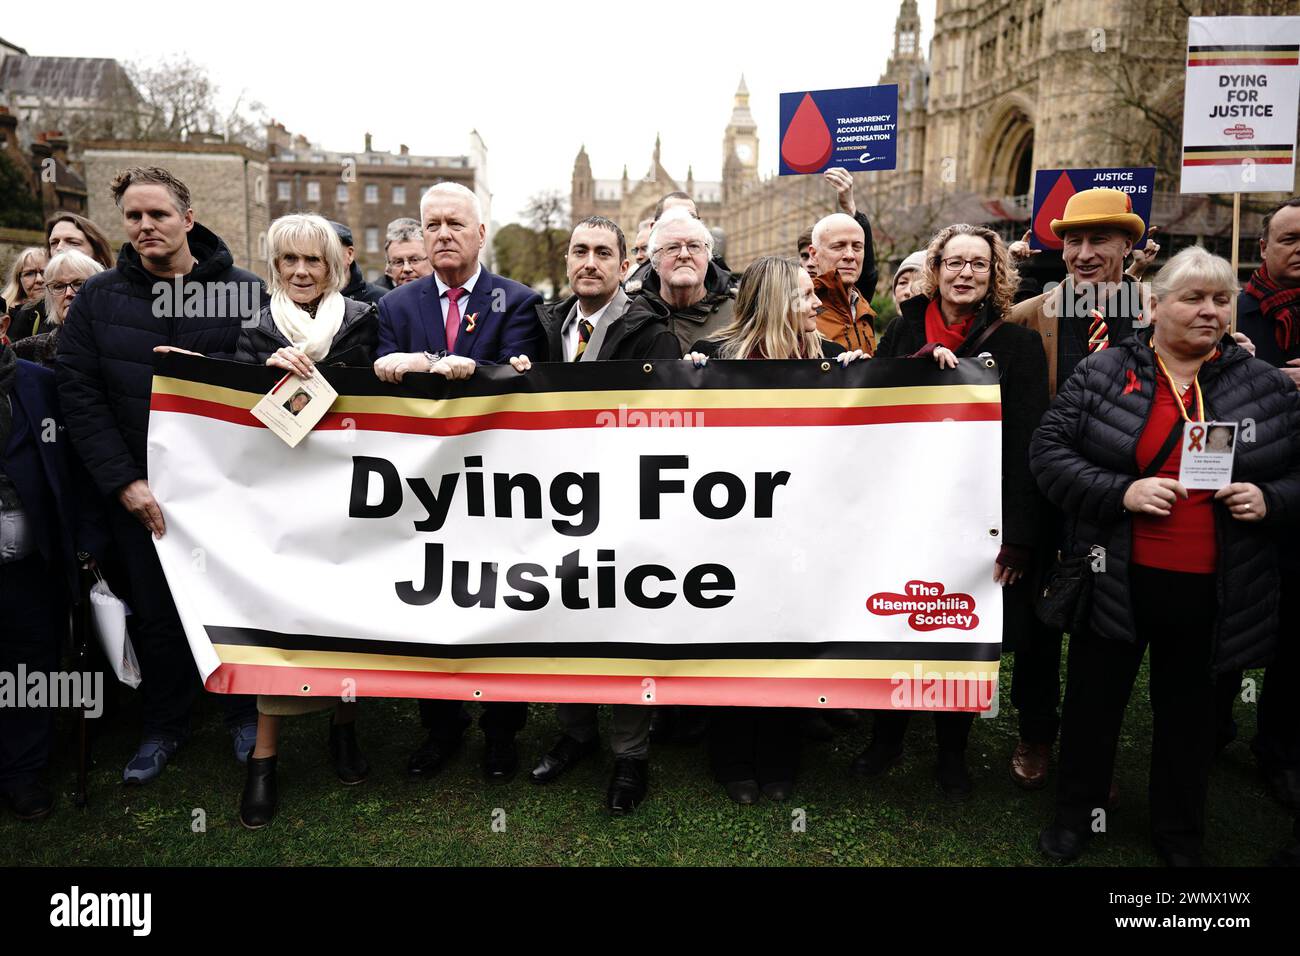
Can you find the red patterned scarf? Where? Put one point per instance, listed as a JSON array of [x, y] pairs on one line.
[[1280, 305], [949, 336]]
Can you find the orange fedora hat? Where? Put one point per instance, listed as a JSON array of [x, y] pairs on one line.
[[1100, 207]]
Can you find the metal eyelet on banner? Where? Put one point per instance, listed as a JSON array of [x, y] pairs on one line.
[[647, 368], [826, 366], [993, 532], [478, 693], [821, 700], [989, 363], [306, 688]]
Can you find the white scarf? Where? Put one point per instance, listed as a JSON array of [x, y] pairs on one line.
[[314, 336]]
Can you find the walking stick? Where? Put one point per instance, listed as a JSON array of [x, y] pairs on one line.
[[81, 625]]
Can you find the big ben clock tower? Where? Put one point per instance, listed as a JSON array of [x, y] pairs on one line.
[[740, 141]]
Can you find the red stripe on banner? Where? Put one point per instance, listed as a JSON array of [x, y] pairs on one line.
[[1239, 161], [863, 693], [598, 418], [1253, 61]]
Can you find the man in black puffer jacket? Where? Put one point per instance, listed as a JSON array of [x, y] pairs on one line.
[[175, 286], [1192, 573], [357, 288]]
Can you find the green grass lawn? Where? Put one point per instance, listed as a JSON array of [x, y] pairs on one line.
[[388, 820]]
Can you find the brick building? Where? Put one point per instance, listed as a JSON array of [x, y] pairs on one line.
[[366, 189]]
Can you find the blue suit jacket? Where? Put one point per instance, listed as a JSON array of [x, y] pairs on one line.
[[61, 502], [505, 320]]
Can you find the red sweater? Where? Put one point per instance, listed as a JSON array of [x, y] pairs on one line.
[[1185, 540]]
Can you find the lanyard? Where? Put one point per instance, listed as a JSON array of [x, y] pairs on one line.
[[1178, 398]]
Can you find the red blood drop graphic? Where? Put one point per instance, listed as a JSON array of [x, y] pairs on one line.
[[1053, 208], [807, 143]]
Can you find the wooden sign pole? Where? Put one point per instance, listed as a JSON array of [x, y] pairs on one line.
[[1236, 245]]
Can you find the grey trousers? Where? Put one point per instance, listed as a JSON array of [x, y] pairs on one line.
[[629, 727]]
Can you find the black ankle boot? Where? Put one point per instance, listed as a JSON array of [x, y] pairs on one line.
[[260, 794], [349, 763]]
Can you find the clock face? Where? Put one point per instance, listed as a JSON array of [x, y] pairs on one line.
[[744, 152]]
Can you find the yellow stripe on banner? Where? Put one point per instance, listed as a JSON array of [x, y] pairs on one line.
[[1230, 153], [647, 398], [607, 667], [1255, 53]]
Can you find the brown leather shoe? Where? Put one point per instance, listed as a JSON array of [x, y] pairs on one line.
[[1029, 765]]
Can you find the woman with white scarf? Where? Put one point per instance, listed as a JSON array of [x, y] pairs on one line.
[[308, 322]]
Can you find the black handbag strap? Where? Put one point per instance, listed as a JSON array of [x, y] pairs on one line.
[[984, 337], [1165, 451]]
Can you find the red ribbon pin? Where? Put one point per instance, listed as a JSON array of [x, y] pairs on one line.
[[1133, 384], [1194, 438]]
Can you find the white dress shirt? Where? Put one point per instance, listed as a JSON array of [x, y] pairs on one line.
[[569, 333], [446, 302]]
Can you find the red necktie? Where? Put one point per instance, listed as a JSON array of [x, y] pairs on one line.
[[453, 318]]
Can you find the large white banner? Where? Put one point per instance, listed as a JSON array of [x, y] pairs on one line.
[[1240, 105], [747, 533]]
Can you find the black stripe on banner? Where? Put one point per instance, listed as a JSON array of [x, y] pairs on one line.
[[1232, 147], [974, 652], [1247, 47], [547, 377]]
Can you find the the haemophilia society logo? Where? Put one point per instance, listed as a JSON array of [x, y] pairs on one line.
[[927, 606]]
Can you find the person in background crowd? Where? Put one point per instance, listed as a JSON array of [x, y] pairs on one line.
[[686, 297], [1143, 255], [105, 374], [641, 247], [1193, 574], [906, 276], [755, 750], [67, 230], [868, 275], [838, 249], [1268, 312], [308, 322], [48, 514], [673, 200], [804, 246], [575, 328], [63, 279], [357, 286], [404, 250], [26, 287], [461, 312], [966, 287]]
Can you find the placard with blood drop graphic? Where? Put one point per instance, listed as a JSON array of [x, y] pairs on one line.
[[856, 128], [1054, 187]]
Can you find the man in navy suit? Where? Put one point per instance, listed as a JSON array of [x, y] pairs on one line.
[[445, 323], [460, 312], [48, 511]]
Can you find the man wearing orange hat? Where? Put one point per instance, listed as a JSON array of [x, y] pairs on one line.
[[1097, 305]]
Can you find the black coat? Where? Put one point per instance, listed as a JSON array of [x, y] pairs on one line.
[[1084, 456], [361, 290], [1022, 373], [644, 331], [355, 343], [105, 359]]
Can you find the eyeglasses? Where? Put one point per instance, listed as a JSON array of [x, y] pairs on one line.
[[412, 261], [977, 266], [674, 249], [58, 288]]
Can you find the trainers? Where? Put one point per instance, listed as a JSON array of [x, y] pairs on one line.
[[245, 736], [150, 758]]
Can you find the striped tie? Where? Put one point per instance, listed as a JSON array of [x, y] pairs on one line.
[[1097, 333], [584, 336]]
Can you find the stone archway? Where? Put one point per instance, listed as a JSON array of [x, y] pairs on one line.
[[1009, 153]]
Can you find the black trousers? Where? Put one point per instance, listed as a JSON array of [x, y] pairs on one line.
[[447, 720], [35, 622], [951, 728], [754, 743], [1277, 739], [1175, 615], [1036, 685], [169, 680]]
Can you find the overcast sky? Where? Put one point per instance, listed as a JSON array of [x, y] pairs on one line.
[[537, 80]]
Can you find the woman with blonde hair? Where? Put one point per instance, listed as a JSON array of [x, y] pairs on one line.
[[24, 290], [966, 285], [63, 278]]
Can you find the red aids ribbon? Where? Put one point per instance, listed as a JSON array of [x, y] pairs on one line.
[[1194, 438]]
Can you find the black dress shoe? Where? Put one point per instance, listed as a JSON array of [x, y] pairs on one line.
[[954, 779], [431, 755], [743, 791], [1060, 843], [30, 801], [565, 755], [260, 793], [349, 763], [875, 760], [627, 786], [778, 790], [500, 760]]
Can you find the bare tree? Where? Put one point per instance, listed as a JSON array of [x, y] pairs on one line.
[[547, 214]]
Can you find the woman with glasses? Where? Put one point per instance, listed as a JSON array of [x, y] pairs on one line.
[[63, 279], [966, 285], [25, 291]]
